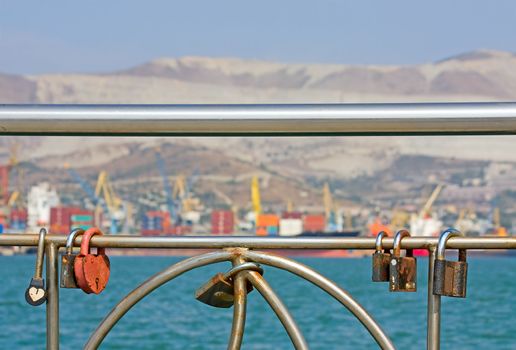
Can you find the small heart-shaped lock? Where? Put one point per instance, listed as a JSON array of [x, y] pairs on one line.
[[35, 294]]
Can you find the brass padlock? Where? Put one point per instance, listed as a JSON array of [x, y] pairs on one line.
[[67, 261], [381, 260], [218, 291], [402, 270], [450, 277]]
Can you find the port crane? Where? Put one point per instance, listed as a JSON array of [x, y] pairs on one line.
[[423, 224], [329, 208], [119, 211], [255, 197], [171, 205], [99, 202], [14, 198]]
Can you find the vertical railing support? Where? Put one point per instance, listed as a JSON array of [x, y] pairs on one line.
[[433, 337], [239, 308], [52, 297], [281, 311]]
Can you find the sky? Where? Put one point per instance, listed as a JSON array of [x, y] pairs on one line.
[[101, 36]]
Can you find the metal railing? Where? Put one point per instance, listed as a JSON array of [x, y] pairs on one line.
[[256, 120], [274, 120]]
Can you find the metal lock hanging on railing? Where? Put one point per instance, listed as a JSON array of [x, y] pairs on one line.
[[218, 291], [450, 277], [402, 270], [67, 261], [91, 270], [381, 260], [36, 294]]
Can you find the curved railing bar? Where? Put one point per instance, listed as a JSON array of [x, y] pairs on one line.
[[329, 287], [279, 308], [239, 312], [148, 287], [239, 308]]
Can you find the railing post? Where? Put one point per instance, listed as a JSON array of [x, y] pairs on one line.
[[239, 308], [433, 338], [52, 297]]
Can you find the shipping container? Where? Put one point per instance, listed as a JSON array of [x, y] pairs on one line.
[[222, 222], [18, 215], [292, 215], [146, 232], [261, 230], [272, 230], [290, 227], [314, 223], [18, 219], [267, 220], [157, 223], [156, 220], [179, 230], [81, 218], [62, 219]]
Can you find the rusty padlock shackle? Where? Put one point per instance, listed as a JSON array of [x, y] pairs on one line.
[[85, 243], [71, 238], [397, 241], [243, 267], [445, 236], [378, 243]]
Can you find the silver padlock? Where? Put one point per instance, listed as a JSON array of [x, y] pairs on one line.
[[450, 277], [36, 294], [381, 260], [67, 261]]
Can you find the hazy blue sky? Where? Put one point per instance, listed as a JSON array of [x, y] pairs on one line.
[[93, 35]]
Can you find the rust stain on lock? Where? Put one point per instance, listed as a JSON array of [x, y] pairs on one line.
[[220, 290], [91, 270], [403, 272], [450, 277], [381, 262]]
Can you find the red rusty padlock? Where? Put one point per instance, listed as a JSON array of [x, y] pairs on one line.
[[91, 270]]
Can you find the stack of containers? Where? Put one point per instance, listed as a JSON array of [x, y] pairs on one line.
[[267, 225], [154, 222], [222, 222], [4, 217], [64, 219], [82, 219], [18, 219], [314, 223], [60, 220]]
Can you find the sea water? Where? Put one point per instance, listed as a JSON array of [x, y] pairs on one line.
[[171, 318]]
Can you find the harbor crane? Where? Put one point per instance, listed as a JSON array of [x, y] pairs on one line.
[[171, 205], [255, 196], [119, 211], [329, 208], [100, 203]]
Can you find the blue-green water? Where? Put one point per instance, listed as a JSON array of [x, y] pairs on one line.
[[171, 318]]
